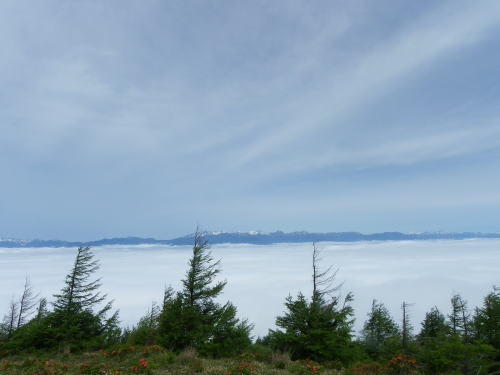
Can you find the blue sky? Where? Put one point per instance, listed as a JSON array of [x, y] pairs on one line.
[[149, 118]]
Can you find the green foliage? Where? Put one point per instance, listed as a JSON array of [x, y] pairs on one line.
[[242, 368], [438, 349], [447, 347], [78, 292], [319, 329], [62, 331], [230, 336], [73, 324], [315, 330], [305, 367], [487, 319], [459, 318], [199, 290], [487, 326], [147, 330], [192, 318], [447, 354], [196, 365], [311, 331], [368, 368], [380, 333], [434, 326]]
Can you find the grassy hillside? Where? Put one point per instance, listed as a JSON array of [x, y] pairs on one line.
[[157, 360]]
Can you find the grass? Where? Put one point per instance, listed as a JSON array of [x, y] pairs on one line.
[[151, 360]]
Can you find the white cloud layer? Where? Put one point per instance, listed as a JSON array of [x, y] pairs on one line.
[[424, 273]]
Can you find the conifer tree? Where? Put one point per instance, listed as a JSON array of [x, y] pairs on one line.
[[487, 319], [192, 317], [434, 325], [487, 326], [199, 291], [318, 328], [27, 303], [10, 319], [41, 310], [79, 293], [323, 280], [406, 326], [461, 327], [76, 320], [460, 318], [441, 351], [380, 332], [147, 330]]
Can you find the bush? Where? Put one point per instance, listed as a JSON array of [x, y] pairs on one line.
[[305, 367], [187, 355], [242, 368]]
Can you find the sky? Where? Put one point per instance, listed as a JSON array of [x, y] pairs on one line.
[[149, 118]]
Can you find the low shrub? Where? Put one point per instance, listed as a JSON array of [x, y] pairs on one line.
[[242, 368]]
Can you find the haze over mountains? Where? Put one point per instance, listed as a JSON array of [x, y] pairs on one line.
[[256, 238]]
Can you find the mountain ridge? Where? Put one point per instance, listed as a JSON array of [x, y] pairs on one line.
[[254, 237]]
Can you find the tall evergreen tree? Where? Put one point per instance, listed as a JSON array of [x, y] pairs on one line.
[[434, 325], [78, 319], [406, 326], [27, 303], [147, 330], [441, 351], [192, 317], [460, 318], [461, 327], [380, 332], [487, 319], [41, 310], [323, 279], [199, 289], [487, 326], [79, 293], [9, 321], [318, 328]]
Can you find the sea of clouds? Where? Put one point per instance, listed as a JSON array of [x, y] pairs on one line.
[[260, 277]]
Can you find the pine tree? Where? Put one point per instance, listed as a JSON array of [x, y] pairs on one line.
[[76, 320], [434, 325], [10, 319], [443, 348], [27, 303], [147, 330], [323, 280], [79, 293], [439, 352], [487, 319], [41, 310], [461, 328], [318, 328], [380, 332], [192, 317], [406, 326], [487, 326], [198, 290], [460, 318]]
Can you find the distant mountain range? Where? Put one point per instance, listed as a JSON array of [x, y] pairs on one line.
[[257, 238]]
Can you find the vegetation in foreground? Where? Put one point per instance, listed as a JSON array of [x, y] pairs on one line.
[[191, 332], [131, 359]]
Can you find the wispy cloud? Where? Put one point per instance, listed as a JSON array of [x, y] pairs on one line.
[[384, 68], [154, 109]]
